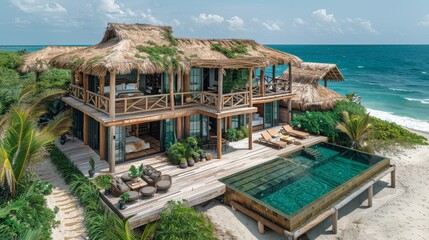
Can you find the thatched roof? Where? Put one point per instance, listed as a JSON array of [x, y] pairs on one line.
[[39, 61], [314, 97], [153, 49], [310, 72]]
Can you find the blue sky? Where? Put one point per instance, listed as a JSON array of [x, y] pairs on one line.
[[288, 22]]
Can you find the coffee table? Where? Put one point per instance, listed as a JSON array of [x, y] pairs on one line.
[[148, 191], [136, 186]]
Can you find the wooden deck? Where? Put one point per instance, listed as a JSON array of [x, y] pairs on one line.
[[196, 184]]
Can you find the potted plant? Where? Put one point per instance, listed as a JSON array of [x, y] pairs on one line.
[[122, 200], [183, 163], [91, 170], [196, 156], [202, 155], [103, 182], [135, 173]]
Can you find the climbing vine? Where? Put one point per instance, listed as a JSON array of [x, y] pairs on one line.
[[234, 51]]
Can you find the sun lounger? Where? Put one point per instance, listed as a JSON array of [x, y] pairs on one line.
[[288, 129], [267, 139], [285, 138]]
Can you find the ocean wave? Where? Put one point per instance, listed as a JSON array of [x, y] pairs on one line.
[[411, 123], [360, 66], [423, 101], [424, 72], [402, 90]]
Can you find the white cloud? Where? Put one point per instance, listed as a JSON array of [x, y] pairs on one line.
[[42, 6], [175, 22], [208, 18], [272, 26], [425, 21], [236, 23], [149, 17], [366, 25], [118, 12], [323, 15], [299, 21], [109, 6]]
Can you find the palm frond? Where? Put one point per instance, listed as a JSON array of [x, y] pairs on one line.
[[6, 171], [59, 125], [26, 93]]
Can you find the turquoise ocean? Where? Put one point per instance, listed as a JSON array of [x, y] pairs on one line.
[[393, 80]]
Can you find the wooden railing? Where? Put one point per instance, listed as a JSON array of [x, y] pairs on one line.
[[76, 92], [98, 101], [209, 99], [187, 98], [233, 100], [140, 104], [272, 86]]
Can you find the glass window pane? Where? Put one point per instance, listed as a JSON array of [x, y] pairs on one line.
[[196, 79]]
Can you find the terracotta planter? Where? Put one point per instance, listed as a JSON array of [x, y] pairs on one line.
[[135, 180]]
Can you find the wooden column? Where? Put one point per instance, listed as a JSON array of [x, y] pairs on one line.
[[112, 96], [250, 87], [102, 83], [219, 138], [228, 122], [85, 129], [335, 222], [112, 157], [187, 125], [138, 79], [220, 90], [274, 72], [289, 110], [370, 194], [171, 75], [73, 79], [179, 127], [85, 88], [262, 81], [102, 142], [290, 78], [250, 132], [326, 82], [179, 81], [393, 178], [187, 82], [261, 228]]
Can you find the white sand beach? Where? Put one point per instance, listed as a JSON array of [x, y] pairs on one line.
[[397, 213]]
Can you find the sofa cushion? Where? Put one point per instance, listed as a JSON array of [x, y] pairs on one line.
[[155, 175]]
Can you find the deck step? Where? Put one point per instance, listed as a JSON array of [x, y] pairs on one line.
[[312, 154]]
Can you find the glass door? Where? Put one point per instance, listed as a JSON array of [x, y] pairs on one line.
[[119, 143], [271, 114], [168, 133]]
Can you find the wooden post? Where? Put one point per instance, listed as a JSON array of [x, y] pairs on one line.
[[102, 83], [370, 194], [261, 228], [138, 79], [289, 110], [179, 81], [73, 79], [335, 222], [102, 142], [187, 82], [112, 97], [85, 129], [393, 178], [326, 82], [85, 88], [250, 87], [228, 122], [250, 132], [171, 75], [112, 155], [290, 79], [220, 90], [262, 81], [219, 138], [187, 126], [179, 128], [274, 78]]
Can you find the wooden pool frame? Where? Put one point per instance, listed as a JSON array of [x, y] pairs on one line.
[[291, 223]]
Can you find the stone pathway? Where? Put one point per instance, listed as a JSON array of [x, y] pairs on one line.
[[70, 213]]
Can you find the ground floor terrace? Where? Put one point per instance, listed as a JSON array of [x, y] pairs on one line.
[[196, 184]]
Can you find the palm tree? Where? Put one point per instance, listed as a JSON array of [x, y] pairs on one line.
[[356, 128], [21, 140], [121, 230]]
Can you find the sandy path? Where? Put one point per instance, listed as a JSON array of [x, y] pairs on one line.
[[70, 213]]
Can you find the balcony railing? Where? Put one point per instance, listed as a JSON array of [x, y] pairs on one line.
[[187, 98], [233, 100], [271, 87], [209, 99], [141, 104], [98, 101], [76, 92]]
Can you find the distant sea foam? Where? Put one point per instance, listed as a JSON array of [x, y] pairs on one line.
[[411, 123]]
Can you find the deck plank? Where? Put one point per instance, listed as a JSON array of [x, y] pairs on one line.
[[196, 184]]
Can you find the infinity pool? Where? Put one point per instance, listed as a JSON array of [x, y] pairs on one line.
[[300, 185]]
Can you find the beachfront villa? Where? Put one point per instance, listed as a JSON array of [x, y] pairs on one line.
[[138, 90]]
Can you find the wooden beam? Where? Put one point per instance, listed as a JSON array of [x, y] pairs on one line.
[[326, 82], [274, 77], [112, 97], [102, 83], [290, 77], [171, 85], [220, 89], [393, 178], [370, 194], [85, 129], [219, 138], [250, 132], [85, 88], [335, 222], [262, 81], [250, 87], [102, 142], [112, 156]]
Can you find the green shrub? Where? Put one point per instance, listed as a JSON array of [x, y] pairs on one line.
[[350, 107], [176, 152], [239, 134], [320, 123], [32, 212], [245, 131], [179, 222], [54, 79], [231, 134], [11, 60]]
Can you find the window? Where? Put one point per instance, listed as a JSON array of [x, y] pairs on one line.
[[239, 120], [199, 126], [196, 78], [271, 114]]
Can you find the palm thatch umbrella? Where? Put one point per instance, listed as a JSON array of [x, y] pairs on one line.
[[153, 49], [309, 94]]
